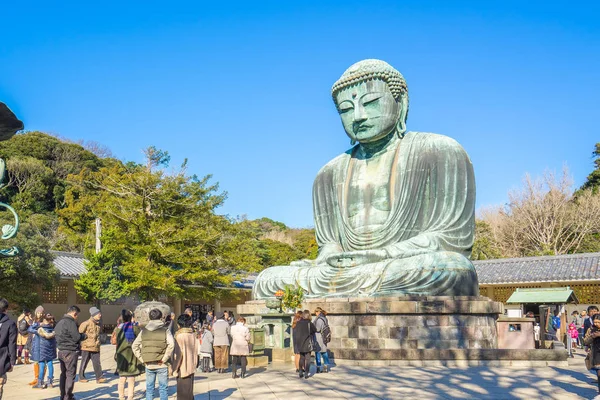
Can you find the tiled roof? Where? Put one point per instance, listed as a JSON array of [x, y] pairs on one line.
[[565, 268], [69, 264]]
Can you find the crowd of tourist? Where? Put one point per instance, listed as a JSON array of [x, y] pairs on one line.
[[165, 347]]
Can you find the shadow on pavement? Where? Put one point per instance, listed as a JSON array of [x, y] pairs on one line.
[[455, 383]]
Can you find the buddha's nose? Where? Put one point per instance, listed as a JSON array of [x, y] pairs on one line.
[[359, 114]]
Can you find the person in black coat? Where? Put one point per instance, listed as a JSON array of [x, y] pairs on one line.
[[68, 339], [303, 342], [8, 343]]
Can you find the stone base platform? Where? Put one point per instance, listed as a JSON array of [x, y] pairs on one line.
[[408, 323], [416, 330], [457, 358], [370, 325]]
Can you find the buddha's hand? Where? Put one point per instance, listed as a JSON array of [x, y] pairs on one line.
[[356, 258]]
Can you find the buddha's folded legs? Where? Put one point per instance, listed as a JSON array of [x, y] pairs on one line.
[[431, 274]]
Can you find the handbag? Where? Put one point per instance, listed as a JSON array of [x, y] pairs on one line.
[[113, 337]]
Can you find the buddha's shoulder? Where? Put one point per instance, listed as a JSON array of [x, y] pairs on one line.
[[435, 140], [336, 163]]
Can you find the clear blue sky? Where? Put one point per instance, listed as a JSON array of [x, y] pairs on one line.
[[242, 89]]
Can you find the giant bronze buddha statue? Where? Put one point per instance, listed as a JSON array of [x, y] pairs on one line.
[[394, 215]]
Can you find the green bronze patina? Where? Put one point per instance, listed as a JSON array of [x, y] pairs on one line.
[[9, 125], [395, 214]]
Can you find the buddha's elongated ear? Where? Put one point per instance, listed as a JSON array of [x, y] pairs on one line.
[[401, 125]]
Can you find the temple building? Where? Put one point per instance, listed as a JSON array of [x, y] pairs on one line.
[[499, 278], [71, 266]]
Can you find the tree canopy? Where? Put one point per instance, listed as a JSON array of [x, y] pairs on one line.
[[593, 180], [543, 217], [162, 235], [37, 165]]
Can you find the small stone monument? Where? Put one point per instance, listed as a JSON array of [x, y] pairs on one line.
[[141, 311]]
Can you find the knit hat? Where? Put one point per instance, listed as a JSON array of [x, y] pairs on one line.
[[39, 310], [94, 311]]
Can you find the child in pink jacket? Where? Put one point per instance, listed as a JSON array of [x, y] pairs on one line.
[[573, 334]]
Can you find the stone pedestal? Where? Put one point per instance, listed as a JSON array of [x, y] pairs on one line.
[[418, 331], [383, 327]]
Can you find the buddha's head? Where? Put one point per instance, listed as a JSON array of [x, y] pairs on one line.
[[372, 99]]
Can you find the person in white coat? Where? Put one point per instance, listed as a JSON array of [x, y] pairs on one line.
[[240, 346]]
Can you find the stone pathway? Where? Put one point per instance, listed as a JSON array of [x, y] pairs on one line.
[[345, 382]]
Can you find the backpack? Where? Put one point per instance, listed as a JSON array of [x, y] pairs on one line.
[[113, 337], [556, 322], [23, 326], [325, 331]]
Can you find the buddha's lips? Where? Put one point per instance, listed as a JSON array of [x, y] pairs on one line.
[[362, 128]]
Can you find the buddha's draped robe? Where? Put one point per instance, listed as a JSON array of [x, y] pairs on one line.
[[428, 234]]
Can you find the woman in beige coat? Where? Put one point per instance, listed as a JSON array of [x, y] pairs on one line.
[[240, 335], [185, 356]]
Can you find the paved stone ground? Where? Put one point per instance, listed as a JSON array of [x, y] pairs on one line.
[[346, 382]]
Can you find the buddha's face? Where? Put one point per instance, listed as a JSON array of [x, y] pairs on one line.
[[368, 110]]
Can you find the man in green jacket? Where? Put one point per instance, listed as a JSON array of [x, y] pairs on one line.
[[153, 347]]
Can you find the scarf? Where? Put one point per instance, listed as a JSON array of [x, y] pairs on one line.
[[129, 333], [183, 330]]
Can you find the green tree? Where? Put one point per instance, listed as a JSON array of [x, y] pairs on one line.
[[24, 276], [306, 242], [484, 246], [38, 165], [103, 279], [269, 242], [30, 182], [162, 225], [593, 179], [278, 253]]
